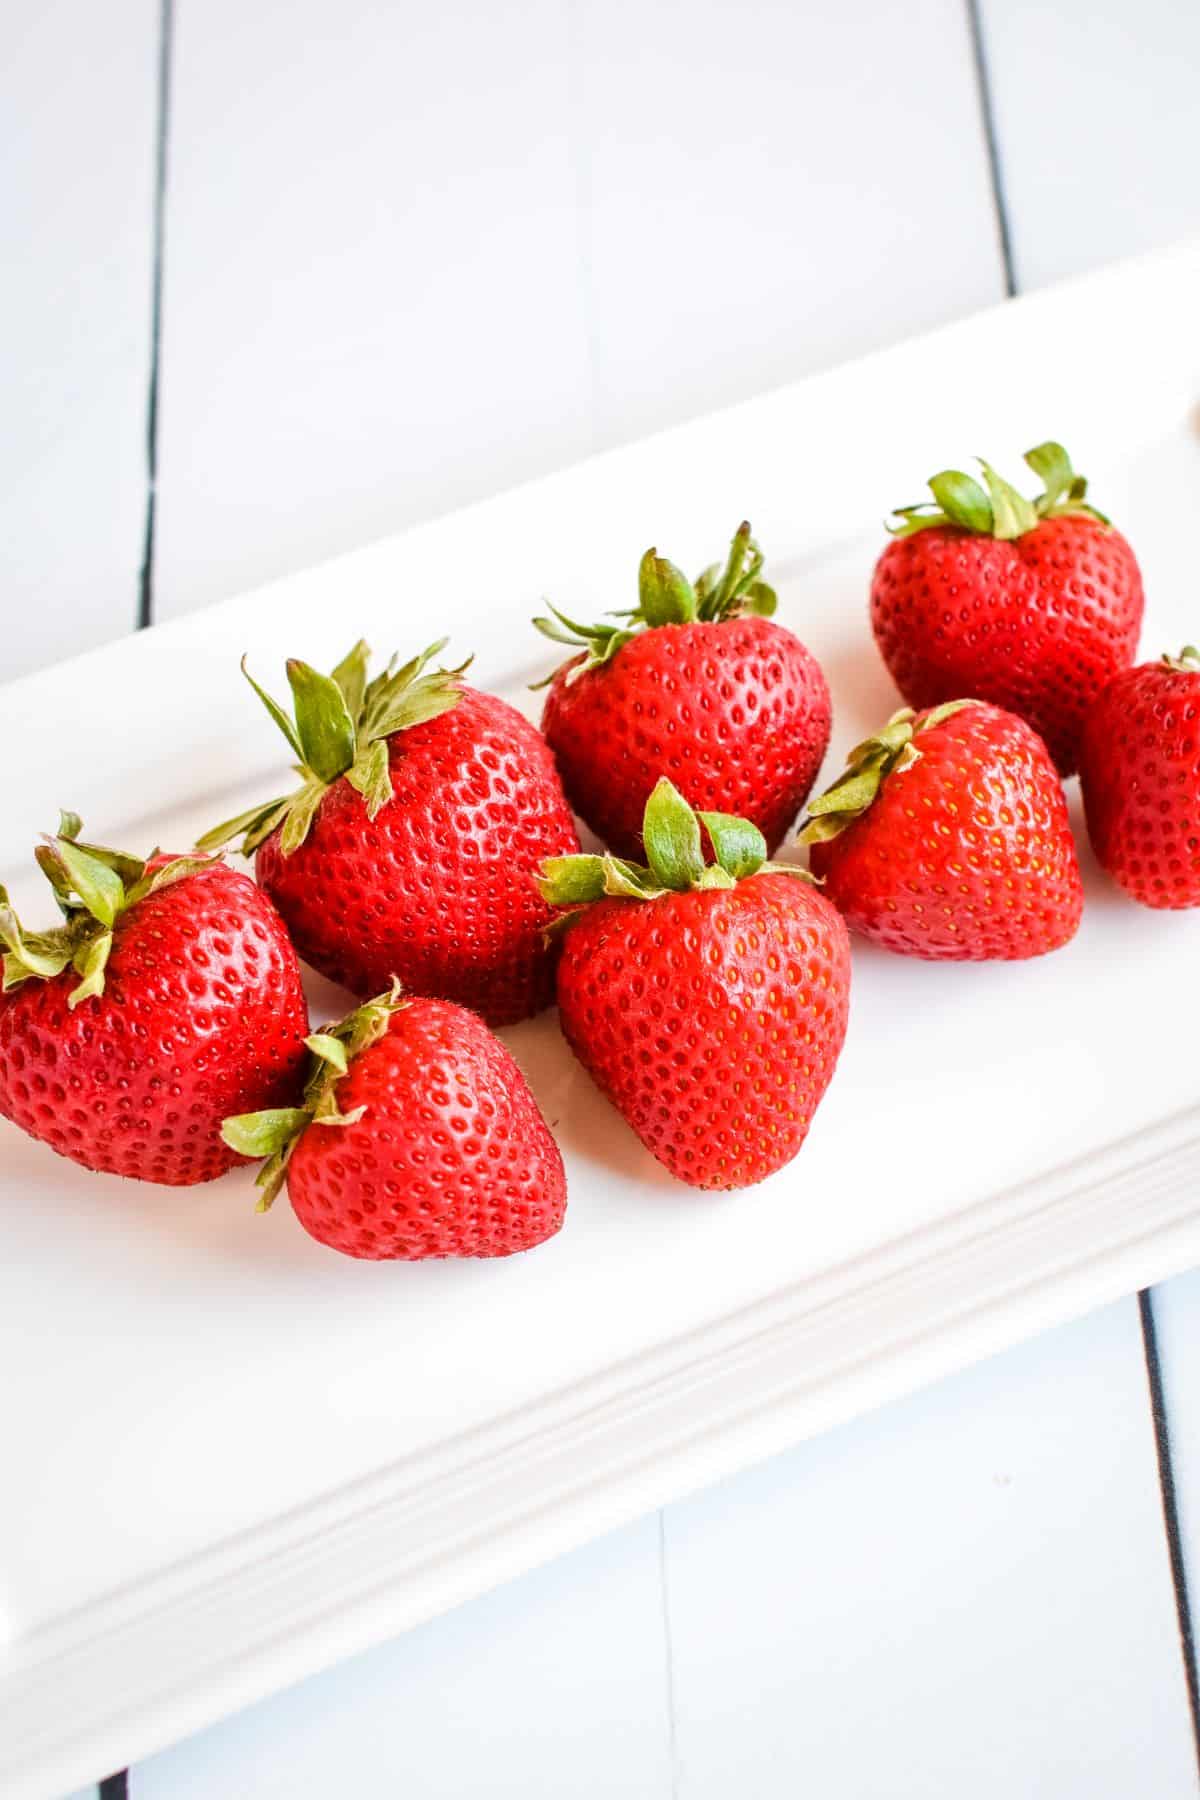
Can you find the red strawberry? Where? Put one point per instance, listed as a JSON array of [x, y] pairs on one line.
[[418, 1137], [948, 838], [1139, 767], [708, 1003], [168, 997], [698, 683], [1032, 605], [426, 807]]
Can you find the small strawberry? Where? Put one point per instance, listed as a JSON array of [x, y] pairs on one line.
[[708, 1002], [947, 837], [418, 1137], [167, 998], [424, 810], [1139, 767], [697, 682], [1033, 605]]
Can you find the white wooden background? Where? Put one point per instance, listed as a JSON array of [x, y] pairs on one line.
[[372, 261]]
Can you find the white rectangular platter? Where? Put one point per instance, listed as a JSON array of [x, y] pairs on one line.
[[232, 1457]]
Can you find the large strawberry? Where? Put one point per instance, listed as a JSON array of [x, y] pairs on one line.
[[424, 809], [947, 837], [1139, 767], [707, 1001], [1033, 605], [699, 683], [168, 997], [417, 1137]]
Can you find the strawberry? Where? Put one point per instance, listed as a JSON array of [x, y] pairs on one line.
[[417, 1137], [168, 997], [425, 808], [1033, 605], [707, 1001], [947, 837], [1139, 767], [698, 682]]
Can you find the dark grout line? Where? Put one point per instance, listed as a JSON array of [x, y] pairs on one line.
[[987, 112], [116, 1787], [669, 1650], [1170, 1507], [145, 612]]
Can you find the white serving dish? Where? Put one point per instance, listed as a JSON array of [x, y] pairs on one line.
[[231, 1457]]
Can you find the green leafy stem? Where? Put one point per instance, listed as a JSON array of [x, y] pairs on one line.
[[274, 1133], [340, 725], [667, 597], [675, 862], [92, 886], [997, 509], [868, 765]]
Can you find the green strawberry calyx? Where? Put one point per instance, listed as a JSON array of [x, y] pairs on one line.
[[274, 1134], [996, 508], [340, 725], [1186, 663], [890, 752], [92, 886], [671, 832], [666, 597]]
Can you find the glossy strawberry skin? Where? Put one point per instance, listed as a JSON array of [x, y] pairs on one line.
[[437, 889], [451, 1157], [736, 713], [202, 1015], [1038, 624], [1139, 768], [712, 1020], [967, 856]]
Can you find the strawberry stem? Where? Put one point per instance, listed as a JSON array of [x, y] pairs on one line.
[[1001, 511], [92, 886], [274, 1134], [674, 858], [341, 725], [666, 597], [889, 752]]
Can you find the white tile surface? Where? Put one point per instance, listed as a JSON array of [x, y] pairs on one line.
[[970, 1588], [471, 242], [1098, 127], [757, 185], [1177, 1322], [371, 306], [77, 100], [554, 1686], [966, 1594]]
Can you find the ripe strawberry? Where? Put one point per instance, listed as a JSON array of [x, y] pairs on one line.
[[708, 1003], [698, 683], [1139, 767], [1033, 605], [425, 808], [947, 837], [418, 1137], [168, 996]]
